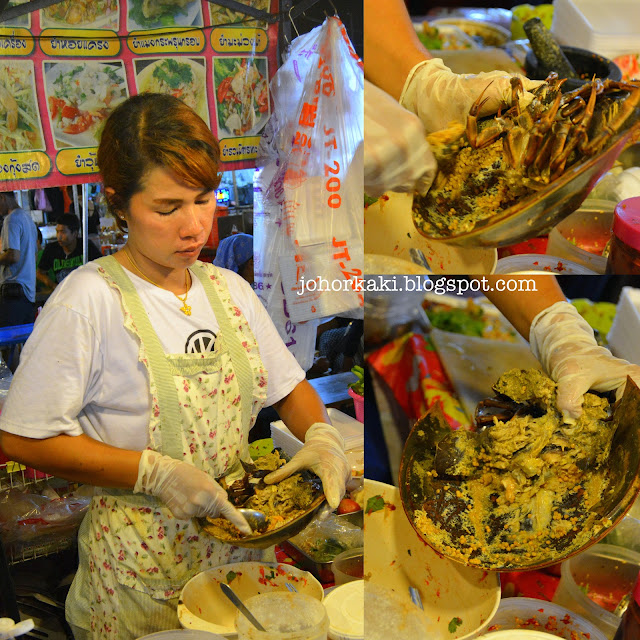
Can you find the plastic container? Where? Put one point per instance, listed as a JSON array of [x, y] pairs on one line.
[[345, 608], [607, 573], [533, 614], [624, 254], [397, 559], [623, 336], [583, 23], [582, 236], [358, 403], [204, 607], [533, 263], [348, 566], [629, 628], [285, 616]]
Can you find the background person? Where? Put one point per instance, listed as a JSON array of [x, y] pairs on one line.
[[159, 367], [235, 252], [60, 258], [17, 263]]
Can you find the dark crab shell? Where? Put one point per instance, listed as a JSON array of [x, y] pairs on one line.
[[538, 212]]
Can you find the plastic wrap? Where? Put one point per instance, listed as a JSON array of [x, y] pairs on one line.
[[39, 514], [308, 189]]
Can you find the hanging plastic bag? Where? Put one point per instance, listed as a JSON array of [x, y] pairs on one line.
[[41, 201], [308, 190]]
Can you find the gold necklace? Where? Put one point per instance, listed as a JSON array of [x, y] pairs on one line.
[[185, 308]]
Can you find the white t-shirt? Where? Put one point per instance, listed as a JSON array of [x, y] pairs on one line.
[[79, 370]]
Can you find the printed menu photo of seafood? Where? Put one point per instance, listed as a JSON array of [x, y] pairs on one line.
[[94, 14], [20, 128], [183, 78], [224, 16], [242, 95], [80, 96], [158, 14]]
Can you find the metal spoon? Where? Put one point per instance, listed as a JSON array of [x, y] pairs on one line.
[[256, 519], [415, 597], [229, 592]]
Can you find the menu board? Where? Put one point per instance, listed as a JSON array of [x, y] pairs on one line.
[[64, 68]]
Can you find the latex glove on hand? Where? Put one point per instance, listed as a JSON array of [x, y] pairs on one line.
[[564, 343], [10, 629], [397, 156], [188, 491], [438, 96], [323, 453]]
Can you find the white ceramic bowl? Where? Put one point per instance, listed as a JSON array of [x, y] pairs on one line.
[[396, 558], [203, 606]]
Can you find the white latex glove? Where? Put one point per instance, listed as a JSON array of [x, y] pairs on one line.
[[438, 96], [9, 629], [323, 453], [564, 343], [188, 491], [397, 156]]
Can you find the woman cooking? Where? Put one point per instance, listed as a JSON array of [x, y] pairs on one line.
[[143, 376]]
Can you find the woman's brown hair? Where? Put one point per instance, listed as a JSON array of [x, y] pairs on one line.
[[149, 131]]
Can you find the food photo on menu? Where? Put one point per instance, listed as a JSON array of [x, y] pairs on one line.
[[157, 14], [21, 129], [89, 14], [242, 95], [181, 77], [226, 16], [80, 96]]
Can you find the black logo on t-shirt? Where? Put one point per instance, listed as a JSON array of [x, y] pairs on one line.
[[201, 341]]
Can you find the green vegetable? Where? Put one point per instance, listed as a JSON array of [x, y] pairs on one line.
[[166, 19], [430, 41], [260, 448], [231, 576], [173, 73], [454, 623], [375, 503], [465, 321], [358, 385], [326, 550], [368, 200]]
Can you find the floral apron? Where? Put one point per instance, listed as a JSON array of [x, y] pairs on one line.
[[135, 557]]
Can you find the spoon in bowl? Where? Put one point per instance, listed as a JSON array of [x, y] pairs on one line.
[[256, 519], [230, 593]]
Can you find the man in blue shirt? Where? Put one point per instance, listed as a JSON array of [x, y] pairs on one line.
[[17, 263]]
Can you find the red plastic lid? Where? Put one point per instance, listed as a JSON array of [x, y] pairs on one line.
[[626, 222]]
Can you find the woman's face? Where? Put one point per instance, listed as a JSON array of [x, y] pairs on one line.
[[168, 221]]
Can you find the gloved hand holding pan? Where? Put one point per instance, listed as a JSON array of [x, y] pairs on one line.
[[527, 490]]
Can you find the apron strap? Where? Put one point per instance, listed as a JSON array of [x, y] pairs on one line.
[[168, 402], [239, 357]]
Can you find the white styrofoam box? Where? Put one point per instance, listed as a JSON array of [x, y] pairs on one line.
[[583, 23], [351, 430], [623, 335]]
